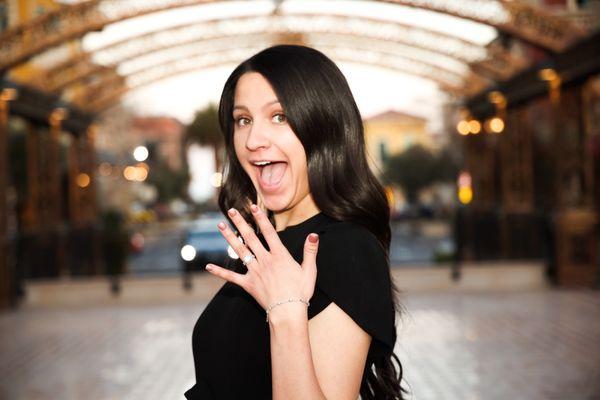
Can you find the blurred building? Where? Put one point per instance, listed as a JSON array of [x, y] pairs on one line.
[[51, 213], [392, 132], [162, 135], [534, 166], [36, 73], [119, 135], [114, 149]]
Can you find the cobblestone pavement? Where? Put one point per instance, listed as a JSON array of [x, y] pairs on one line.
[[465, 346]]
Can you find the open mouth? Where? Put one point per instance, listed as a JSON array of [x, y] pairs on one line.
[[270, 173]]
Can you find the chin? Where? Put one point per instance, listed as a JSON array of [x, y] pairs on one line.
[[276, 205], [277, 202]]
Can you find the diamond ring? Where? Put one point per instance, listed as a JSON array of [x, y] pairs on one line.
[[248, 258]]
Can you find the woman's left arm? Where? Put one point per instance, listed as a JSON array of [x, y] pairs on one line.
[[323, 358], [316, 360]]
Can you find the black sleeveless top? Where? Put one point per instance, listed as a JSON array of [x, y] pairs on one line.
[[230, 340]]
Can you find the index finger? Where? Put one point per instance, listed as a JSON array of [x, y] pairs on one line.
[[266, 228], [228, 275]]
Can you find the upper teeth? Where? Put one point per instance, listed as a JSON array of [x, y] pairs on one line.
[[262, 162]]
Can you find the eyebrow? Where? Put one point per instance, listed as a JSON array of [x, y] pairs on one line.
[[242, 107]]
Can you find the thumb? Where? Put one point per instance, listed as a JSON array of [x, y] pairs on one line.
[[311, 247]]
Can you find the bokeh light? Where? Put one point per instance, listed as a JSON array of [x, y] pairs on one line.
[[216, 180], [83, 180], [140, 153], [474, 126]]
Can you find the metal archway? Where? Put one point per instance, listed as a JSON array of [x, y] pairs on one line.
[[118, 88], [22, 42], [496, 65], [437, 72], [202, 59]]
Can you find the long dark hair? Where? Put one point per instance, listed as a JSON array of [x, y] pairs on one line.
[[321, 111]]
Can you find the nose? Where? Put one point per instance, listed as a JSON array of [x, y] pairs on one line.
[[257, 137]]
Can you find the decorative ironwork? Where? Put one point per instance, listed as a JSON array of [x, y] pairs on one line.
[[31, 214], [20, 43], [517, 164], [574, 162], [81, 188], [480, 162], [528, 23]]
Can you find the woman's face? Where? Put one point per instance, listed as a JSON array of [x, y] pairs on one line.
[[267, 148]]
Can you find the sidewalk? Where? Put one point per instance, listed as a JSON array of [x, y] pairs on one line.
[[166, 289], [537, 344]]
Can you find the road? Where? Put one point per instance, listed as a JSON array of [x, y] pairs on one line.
[[413, 243], [161, 250]]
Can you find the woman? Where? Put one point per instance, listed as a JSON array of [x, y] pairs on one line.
[[308, 310]]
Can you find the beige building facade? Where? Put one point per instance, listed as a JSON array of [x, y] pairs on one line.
[[392, 132]]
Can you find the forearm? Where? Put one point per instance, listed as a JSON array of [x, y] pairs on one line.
[[292, 367]]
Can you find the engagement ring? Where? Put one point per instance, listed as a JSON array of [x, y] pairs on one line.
[[248, 258]]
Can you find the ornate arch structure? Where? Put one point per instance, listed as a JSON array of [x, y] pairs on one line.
[[494, 65], [513, 17], [480, 65], [109, 89], [72, 21], [382, 53]]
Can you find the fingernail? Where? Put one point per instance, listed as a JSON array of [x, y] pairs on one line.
[[231, 212], [254, 208], [208, 267], [313, 238], [221, 225]]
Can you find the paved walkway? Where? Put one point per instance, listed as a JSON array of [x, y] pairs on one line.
[[465, 346]]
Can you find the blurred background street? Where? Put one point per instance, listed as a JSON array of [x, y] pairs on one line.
[[413, 244], [481, 120]]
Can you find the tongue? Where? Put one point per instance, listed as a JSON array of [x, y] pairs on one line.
[[273, 173]]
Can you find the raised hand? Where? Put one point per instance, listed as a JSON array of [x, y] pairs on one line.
[[272, 275]]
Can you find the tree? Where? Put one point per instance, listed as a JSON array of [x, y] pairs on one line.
[[170, 184], [417, 167], [205, 130], [448, 163]]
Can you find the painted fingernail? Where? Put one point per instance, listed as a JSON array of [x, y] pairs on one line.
[[313, 238], [221, 225], [208, 267], [231, 212], [254, 208]]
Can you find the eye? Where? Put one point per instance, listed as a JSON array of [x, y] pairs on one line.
[[280, 118], [242, 121]]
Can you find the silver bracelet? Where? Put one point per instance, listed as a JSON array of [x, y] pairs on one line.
[[282, 302]]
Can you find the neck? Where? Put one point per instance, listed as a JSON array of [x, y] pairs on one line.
[[302, 211]]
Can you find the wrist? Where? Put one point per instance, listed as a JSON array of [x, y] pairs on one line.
[[288, 313]]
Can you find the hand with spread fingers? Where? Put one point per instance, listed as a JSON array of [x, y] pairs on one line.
[[273, 276]]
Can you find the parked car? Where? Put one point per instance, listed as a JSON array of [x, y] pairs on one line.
[[412, 212], [202, 244]]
